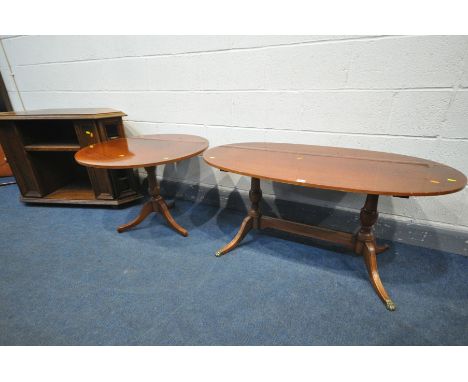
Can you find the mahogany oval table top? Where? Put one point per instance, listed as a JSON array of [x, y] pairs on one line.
[[141, 151], [337, 168]]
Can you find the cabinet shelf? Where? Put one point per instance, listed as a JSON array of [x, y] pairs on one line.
[[52, 147], [75, 190]]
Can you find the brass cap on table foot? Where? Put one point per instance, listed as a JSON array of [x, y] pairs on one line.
[[218, 254], [390, 305]]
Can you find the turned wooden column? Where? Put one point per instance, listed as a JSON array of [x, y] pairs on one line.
[[255, 195], [153, 186], [368, 217]]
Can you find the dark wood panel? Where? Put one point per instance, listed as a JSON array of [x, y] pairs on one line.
[[18, 158]]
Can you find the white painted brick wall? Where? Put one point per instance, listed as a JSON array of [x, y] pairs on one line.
[[402, 94]]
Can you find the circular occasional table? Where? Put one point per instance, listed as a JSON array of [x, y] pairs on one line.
[[334, 168], [147, 151]]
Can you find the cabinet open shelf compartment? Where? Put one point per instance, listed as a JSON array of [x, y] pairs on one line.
[[76, 189], [49, 136], [60, 177]]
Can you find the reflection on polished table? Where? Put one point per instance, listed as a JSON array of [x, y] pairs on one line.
[[146, 151], [349, 170]]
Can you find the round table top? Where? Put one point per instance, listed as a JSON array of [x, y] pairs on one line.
[[141, 151], [336, 168]]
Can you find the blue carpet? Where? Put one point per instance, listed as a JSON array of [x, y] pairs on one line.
[[68, 278]]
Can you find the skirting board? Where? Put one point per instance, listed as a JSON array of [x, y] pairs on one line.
[[387, 228]]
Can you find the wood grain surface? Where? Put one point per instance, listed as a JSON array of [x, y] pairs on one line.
[[336, 168], [142, 151]]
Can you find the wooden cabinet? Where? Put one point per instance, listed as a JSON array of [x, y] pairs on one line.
[[40, 146]]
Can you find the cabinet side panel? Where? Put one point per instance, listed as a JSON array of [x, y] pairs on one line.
[[19, 160]]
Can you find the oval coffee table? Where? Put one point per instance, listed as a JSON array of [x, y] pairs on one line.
[[146, 151], [349, 170]]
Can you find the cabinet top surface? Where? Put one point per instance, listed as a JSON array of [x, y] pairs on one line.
[[60, 114], [141, 151], [337, 168]]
